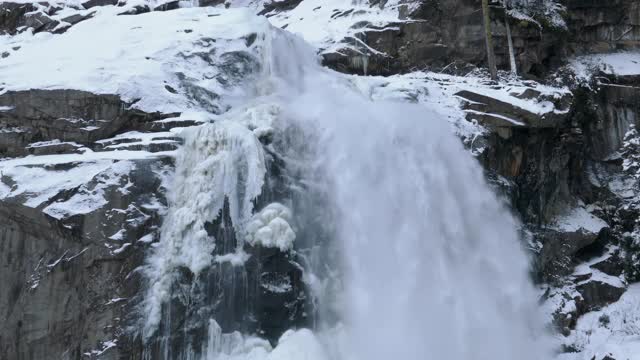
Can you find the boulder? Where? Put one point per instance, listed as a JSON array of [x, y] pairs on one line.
[[599, 293]]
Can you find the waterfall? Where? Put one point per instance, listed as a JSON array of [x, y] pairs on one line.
[[430, 263]]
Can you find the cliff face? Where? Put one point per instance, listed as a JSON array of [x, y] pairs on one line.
[[79, 218], [447, 33]]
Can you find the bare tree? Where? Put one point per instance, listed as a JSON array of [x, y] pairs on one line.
[[491, 56], [512, 56]]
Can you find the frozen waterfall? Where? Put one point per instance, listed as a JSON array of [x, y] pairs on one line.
[[431, 265]]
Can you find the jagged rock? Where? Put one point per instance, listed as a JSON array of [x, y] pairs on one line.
[[281, 5], [76, 18], [72, 115], [39, 22], [447, 32], [171, 5], [597, 294], [556, 257], [450, 31], [53, 147], [12, 16], [612, 265], [604, 26], [496, 113], [137, 10], [615, 108], [93, 3], [69, 284]]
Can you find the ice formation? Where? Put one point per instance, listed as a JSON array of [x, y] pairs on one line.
[[219, 162], [271, 228]]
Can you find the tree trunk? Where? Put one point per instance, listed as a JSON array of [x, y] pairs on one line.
[[491, 56], [512, 56]]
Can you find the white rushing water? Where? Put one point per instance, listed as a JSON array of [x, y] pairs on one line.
[[432, 263]]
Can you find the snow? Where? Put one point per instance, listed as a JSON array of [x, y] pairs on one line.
[[613, 331], [594, 274], [620, 64], [52, 143], [325, 23], [140, 138], [438, 91], [35, 185], [90, 197], [121, 248], [549, 10], [88, 156], [300, 344], [115, 300], [271, 228], [148, 238], [134, 56], [578, 218], [508, 119], [104, 347], [119, 236]]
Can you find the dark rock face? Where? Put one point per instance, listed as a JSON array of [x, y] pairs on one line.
[[68, 115], [604, 26], [598, 294], [12, 16], [557, 257], [449, 34], [71, 276], [618, 108], [68, 283]]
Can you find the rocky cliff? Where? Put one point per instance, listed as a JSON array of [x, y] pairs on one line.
[[95, 98]]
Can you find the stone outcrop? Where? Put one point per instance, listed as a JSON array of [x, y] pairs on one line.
[[68, 115], [69, 281], [448, 34]]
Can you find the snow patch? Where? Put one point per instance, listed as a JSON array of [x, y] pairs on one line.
[[576, 219]]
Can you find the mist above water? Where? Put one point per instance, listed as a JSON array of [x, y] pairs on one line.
[[433, 264]]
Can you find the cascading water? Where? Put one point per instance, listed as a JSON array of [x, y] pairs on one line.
[[430, 260]]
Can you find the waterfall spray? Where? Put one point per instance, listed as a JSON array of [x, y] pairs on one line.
[[431, 263]]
